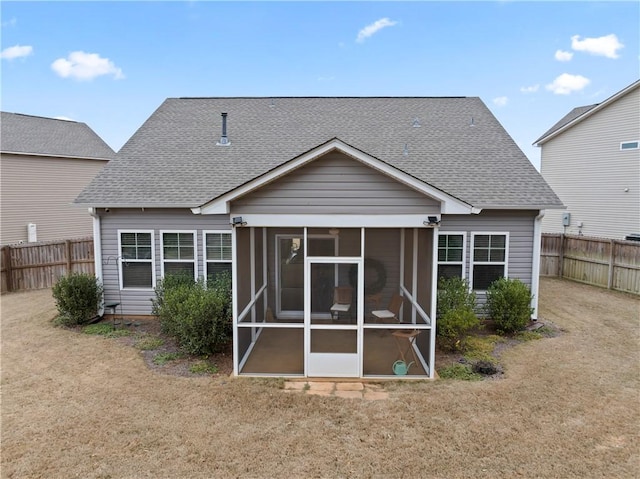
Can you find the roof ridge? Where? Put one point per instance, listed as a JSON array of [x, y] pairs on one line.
[[313, 97], [41, 117]]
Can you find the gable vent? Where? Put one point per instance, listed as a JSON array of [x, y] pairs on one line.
[[224, 141]]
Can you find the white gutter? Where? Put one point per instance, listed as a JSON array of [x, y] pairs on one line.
[[535, 267], [97, 251]]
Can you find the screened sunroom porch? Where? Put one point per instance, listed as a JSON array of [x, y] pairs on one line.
[[334, 302]]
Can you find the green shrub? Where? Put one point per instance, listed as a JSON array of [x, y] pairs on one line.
[[462, 372], [198, 316], [455, 312], [509, 304], [78, 298]]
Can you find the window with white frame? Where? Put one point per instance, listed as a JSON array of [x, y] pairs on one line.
[[217, 253], [489, 255], [451, 255], [137, 259], [629, 145], [179, 253]]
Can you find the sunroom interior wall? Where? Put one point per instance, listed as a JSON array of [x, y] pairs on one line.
[[408, 272], [272, 269], [425, 264], [383, 244], [243, 280], [138, 301]]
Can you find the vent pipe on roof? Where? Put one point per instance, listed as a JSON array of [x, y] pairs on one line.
[[224, 141]]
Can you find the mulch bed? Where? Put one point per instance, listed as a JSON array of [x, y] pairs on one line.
[[150, 327]]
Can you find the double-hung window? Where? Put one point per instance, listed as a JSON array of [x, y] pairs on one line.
[[179, 253], [217, 253], [489, 258], [451, 255], [137, 259]]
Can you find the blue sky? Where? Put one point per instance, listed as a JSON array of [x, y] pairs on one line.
[[111, 64]]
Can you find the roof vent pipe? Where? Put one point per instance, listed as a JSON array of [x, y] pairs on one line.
[[224, 141]]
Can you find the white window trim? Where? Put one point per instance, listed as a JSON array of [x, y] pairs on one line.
[[464, 249], [121, 260], [195, 251], [627, 142], [204, 251], [471, 255]]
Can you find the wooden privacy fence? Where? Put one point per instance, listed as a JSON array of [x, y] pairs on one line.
[[613, 264], [40, 265]]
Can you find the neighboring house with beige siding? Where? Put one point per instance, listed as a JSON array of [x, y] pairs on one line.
[[323, 210], [591, 159], [44, 164]]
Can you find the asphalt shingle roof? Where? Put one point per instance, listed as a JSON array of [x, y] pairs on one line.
[[47, 136], [173, 160], [568, 118]]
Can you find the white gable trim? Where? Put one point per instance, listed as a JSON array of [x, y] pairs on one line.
[[449, 204], [589, 113]]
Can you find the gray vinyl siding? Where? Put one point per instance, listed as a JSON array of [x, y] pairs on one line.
[[587, 170], [40, 190], [519, 225], [138, 302], [335, 184]]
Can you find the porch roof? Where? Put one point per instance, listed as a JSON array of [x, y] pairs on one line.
[[454, 145]]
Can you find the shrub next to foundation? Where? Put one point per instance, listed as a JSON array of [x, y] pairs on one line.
[[509, 304], [78, 298], [198, 316], [455, 312]]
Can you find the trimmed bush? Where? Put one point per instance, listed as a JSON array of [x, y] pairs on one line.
[[78, 298], [198, 316], [509, 305], [455, 312]]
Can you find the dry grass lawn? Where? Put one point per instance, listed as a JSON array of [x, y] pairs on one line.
[[83, 406]]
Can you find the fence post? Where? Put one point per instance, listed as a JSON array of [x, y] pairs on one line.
[[612, 246], [6, 259], [67, 245], [561, 255]]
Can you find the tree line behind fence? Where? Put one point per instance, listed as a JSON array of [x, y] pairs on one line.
[[612, 264]]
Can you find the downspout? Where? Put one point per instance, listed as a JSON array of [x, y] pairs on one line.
[[97, 252], [535, 267]]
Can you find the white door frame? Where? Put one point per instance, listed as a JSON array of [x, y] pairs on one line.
[[333, 364]]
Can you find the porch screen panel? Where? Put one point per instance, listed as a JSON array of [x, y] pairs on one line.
[[243, 244], [425, 260]]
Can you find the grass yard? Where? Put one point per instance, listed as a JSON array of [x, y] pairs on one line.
[[77, 405]]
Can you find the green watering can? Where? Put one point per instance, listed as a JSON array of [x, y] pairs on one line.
[[400, 368]]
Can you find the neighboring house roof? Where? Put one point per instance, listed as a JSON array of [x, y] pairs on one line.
[[35, 135], [459, 148], [580, 113]]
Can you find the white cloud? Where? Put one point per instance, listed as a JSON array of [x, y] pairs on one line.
[[567, 83], [17, 51], [606, 46], [500, 101], [530, 89], [11, 23], [373, 28], [563, 56], [85, 66], [326, 78]]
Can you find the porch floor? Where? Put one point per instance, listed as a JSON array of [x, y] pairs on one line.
[[281, 352]]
